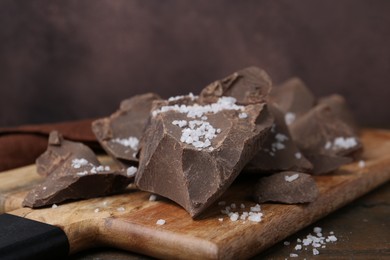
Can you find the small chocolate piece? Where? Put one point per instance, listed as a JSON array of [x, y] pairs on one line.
[[293, 97], [58, 152], [279, 152], [120, 133], [248, 86], [193, 150], [286, 187], [73, 173]]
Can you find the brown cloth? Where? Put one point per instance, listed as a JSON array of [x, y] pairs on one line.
[[21, 145]]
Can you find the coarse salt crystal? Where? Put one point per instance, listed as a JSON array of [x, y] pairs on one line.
[[54, 206], [362, 164], [152, 197], [289, 118], [242, 206], [82, 173], [255, 217], [130, 141], [328, 145], [332, 238], [160, 222], [317, 230], [220, 219], [77, 163], [298, 155], [291, 178], [315, 251], [256, 208], [234, 217], [44, 188], [107, 168], [131, 171], [120, 209], [298, 247], [293, 255], [243, 115], [96, 210], [286, 243]]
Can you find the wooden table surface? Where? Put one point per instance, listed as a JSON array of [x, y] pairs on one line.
[[362, 229]]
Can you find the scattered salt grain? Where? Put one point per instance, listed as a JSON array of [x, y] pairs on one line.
[[120, 209], [234, 216], [298, 247], [317, 230], [97, 210], [332, 238], [220, 219], [298, 155], [77, 163], [256, 208], [222, 203], [286, 243], [179, 123], [152, 197], [293, 255], [362, 164], [131, 142], [315, 251], [82, 173], [255, 217], [191, 96], [160, 222], [107, 168], [243, 115], [291, 178], [131, 171], [44, 188], [242, 206], [54, 206], [328, 145], [289, 118]]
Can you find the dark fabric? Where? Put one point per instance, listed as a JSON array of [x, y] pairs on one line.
[[66, 60], [21, 145]]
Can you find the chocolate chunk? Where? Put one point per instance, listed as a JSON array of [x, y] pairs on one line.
[[322, 131], [250, 85], [339, 107], [73, 173], [293, 98], [193, 150], [120, 133], [325, 138], [58, 152], [286, 187], [279, 152]]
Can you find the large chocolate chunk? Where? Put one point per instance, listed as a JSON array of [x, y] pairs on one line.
[[279, 152], [293, 98], [120, 133], [73, 173], [286, 187], [250, 85], [193, 150]]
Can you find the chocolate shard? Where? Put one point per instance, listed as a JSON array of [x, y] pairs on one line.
[[339, 107], [325, 138], [193, 150], [293, 97], [73, 172], [286, 187], [250, 85], [120, 133], [279, 152], [58, 152]]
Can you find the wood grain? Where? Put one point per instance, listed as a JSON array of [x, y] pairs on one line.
[[182, 237]]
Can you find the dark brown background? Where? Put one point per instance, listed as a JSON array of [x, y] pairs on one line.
[[65, 60]]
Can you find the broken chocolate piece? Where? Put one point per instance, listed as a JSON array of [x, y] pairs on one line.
[[248, 86], [193, 149], [279, 152], [286, 187], [293, 98], [120, 133], [325, 138], [322, 131], [58, 152], [73, 173]]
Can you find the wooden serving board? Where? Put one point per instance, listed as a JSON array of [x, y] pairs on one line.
[[135, 228]]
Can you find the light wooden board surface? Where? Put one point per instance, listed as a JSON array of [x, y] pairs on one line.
[[135, 228]]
